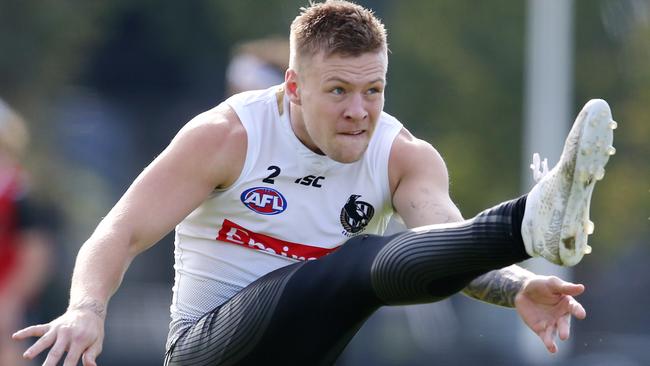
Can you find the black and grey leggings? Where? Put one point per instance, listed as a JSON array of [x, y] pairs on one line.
[[306, 313]]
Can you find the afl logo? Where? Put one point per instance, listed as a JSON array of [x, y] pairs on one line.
[[355, 215], [264, 200]]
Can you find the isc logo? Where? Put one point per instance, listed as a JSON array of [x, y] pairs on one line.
[[264, 200], [310, 180]]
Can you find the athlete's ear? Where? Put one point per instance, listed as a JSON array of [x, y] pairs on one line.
[[291, 86]]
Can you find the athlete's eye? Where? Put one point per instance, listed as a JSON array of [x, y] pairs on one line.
[[337, 90], [373, 91]]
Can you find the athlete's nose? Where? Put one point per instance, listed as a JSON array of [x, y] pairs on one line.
[[356, 109]]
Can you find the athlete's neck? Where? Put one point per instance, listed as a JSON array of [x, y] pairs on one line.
[[299, 129]]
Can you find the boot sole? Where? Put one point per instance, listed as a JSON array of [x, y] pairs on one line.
[[593, 151]]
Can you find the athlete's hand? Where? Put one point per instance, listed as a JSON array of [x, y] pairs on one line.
[[79, 332], [546, 305]]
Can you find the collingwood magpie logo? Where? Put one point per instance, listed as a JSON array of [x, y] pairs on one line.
[[355, 215]]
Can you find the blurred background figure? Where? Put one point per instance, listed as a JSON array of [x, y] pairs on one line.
[[257, 64], [25, 248]]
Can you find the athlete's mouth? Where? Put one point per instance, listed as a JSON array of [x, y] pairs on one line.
[[353, 133]]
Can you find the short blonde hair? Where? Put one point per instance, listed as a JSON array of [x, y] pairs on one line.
[[335, 27]]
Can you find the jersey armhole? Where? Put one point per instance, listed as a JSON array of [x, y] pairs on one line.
[[389, 130], [252, 142]]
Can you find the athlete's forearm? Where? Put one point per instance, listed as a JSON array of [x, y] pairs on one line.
[[99, 268], [499, 287]]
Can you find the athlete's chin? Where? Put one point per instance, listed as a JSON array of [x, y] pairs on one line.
[[348, 155], [347, 159]]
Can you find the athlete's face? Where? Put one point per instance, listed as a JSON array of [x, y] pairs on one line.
[[338, 100]]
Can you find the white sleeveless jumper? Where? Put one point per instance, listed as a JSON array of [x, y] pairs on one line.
[[288, 204]]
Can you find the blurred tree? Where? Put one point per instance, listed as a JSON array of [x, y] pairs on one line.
[[42, 42], [456, 80], [613, 62]]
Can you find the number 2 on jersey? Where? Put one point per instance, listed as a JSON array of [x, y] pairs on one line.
[[276, 172]]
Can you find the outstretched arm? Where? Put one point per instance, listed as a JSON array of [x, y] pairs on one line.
[[208, 152], [420, 186], [421, 197]]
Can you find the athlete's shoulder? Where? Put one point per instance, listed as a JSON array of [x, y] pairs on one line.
[[217, 139], [406, 144], [411, 156], [217, 124]]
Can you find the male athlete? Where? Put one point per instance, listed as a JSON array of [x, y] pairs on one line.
[[277, 195]]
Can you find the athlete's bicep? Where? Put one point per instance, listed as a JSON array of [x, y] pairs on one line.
[[206, 153], [420, 183]]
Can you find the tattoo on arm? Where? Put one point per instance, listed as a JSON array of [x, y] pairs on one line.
[[498, 287], [90, 304]]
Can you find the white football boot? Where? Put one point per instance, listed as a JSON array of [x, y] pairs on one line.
[[556, 220]]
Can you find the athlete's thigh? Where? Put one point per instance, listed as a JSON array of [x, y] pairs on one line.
[[322, 306], [306, 312]]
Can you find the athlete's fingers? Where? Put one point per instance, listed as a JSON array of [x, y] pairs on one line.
[[74, 353], [56, 352], [555, 283], [559, 286], [43, 343], [577, 309], [540, 330], [33, 331], [548, 338], [564, 327], [568, 288], [88, 358]]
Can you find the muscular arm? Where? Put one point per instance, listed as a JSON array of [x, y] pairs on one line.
[[420, 185], [202, 156], [207, 153]]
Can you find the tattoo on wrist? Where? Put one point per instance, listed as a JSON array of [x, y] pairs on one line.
[[499, 287], [95, 306]]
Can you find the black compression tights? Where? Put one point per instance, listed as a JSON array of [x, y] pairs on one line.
[[306, 313]]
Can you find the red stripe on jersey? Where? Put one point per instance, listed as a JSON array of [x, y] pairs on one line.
[[235, 234]]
